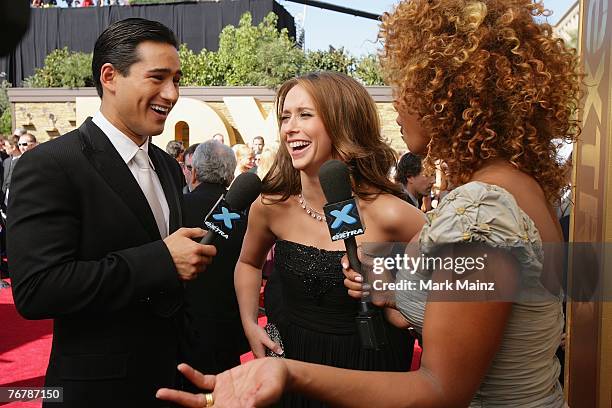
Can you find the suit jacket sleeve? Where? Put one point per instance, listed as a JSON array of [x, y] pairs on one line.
[[44, 227]]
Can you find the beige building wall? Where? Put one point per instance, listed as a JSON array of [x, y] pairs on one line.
[[45, 120], [239, 113]]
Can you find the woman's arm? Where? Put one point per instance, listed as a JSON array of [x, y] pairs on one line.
[[400, 221], [247, 276], [461, 339]]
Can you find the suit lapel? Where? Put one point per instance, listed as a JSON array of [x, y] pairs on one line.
[[109, 164], [12, 166], [165, 178]]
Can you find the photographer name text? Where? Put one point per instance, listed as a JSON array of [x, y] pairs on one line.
[[430, 285]]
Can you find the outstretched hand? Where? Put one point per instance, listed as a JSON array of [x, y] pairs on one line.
[[257, 383], [187, 399]]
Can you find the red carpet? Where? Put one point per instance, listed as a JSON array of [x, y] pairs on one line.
[[24, 349]]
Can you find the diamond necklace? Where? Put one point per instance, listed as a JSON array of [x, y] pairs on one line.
[[309, 210]]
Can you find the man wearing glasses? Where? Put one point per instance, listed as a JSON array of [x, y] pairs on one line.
[[27, 142], [14, 152], [187, 167]]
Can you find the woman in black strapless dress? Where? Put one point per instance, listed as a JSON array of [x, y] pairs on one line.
[[321, 116], [318, 317]]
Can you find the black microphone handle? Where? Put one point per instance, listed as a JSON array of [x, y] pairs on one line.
[[209, 238], [351, 252]]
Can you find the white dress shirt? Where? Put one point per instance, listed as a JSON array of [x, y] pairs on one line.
[[127, 150]]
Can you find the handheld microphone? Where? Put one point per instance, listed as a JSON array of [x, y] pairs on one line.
[[343, 221], [231, 208]]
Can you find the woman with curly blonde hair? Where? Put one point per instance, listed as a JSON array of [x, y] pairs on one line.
[[484, 87]]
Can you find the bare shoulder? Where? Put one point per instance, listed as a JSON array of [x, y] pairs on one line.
[[271, 204], [395, 217], [270, 208], [528, 195], [514, 181]]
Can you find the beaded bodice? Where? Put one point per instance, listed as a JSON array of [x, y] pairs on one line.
[[318, 270], [312, 287]]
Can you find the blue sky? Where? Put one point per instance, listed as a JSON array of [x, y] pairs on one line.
[[358, 35]]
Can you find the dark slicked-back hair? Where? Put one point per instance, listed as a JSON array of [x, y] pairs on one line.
[[117, 45]]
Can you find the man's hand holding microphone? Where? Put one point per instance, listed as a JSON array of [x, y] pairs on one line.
[[190, 256]]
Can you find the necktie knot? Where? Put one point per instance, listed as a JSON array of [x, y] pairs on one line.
[[142, 160]]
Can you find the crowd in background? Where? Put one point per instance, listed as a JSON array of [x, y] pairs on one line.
[[421, 189], [11, 149], [80, 3], [254, 157]]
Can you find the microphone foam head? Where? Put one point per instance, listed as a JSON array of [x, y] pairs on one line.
[[335, 181], [243, 191]]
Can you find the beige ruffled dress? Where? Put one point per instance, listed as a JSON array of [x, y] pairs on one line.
[[524, 372]]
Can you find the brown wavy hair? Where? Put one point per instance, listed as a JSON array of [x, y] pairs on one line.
[[351, 120], [487, 81]]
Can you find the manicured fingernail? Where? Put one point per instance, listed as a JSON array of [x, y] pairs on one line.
[[345, 264], [358, 278], [366, 286], [366, 294]]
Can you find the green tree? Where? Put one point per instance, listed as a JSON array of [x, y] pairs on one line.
[[4, 100], [6, 122], [5, 108], [257, 55], [368, 70], [200, 69], [248, 55], [63, 68], [334, 59]]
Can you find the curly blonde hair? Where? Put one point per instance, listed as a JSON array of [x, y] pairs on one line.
[[487, 81]]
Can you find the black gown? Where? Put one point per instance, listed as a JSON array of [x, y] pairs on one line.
[[317, 317]]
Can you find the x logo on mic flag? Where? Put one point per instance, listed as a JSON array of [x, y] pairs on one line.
[[343, 216], [227, 217]]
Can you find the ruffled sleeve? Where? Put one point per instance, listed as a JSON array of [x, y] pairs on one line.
[[484, 213], [474, 212]]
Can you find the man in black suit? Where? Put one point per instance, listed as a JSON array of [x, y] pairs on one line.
[[214, 338], [12, 149], [93, 233]]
